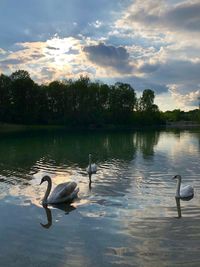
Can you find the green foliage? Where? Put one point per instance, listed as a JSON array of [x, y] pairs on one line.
[[80, 103], [178, 115], [146, 102]]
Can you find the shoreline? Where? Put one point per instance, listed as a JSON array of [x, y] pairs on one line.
[[183, 124], [8, 128], [5, 127]]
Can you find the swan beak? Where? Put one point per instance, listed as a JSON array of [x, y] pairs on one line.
[[173, 177], [41, 182]]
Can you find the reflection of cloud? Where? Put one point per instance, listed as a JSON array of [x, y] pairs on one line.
[[177, 145]]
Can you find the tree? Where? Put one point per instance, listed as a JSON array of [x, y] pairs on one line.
[[80, 102], [122, 100], [5, 98], [23, 97], [146, 102], [147, 111]]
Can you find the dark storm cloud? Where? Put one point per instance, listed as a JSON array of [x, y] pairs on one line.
[[109, 56], [178, 72], [184, 17], [141, 83], [149, 68]]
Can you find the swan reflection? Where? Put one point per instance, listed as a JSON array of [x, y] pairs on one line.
[[64, 207], [90, 181], [49, 218], [178, 204]]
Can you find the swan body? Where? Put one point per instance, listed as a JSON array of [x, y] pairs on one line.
[[65, 192], [92, 167], [183, 191]]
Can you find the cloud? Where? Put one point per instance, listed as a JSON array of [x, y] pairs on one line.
[[172, 30], [12, 61], [109, 56], [2, 52], [156, 14], [139, 83], [149, 44], [149, 68], [186, 98], [52, 48], [54, 59], [37, 20], [177, 72], [73, 51], [184, 17]]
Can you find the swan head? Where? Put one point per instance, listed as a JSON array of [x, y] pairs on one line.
[[44, 179], [178, 177]]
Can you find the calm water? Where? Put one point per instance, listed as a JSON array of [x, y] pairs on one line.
[[128, 217]]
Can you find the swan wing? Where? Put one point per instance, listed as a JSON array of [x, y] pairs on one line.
[[62, 191], [187, 191], [66, 198], [72, 196]]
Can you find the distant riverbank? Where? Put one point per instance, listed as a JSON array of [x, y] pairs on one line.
[[7, 128], [4, 127], [182, 124]]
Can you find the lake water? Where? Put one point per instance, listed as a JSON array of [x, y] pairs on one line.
[[128, 217]]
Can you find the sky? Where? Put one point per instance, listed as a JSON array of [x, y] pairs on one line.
[[150, 44]]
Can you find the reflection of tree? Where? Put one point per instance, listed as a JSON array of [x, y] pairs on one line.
[[20, 152], [145, 141], [197, 134]]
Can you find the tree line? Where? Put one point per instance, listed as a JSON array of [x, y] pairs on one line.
[[178, 115], [79, 103]]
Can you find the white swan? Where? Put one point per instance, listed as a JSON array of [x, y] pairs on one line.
[[183, 192], [92, 168], [64, 192]]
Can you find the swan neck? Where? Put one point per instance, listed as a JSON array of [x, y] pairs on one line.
[[47, 191], [90, 162], [178, 187]]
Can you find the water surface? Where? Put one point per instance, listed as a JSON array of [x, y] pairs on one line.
[[128, 217]]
